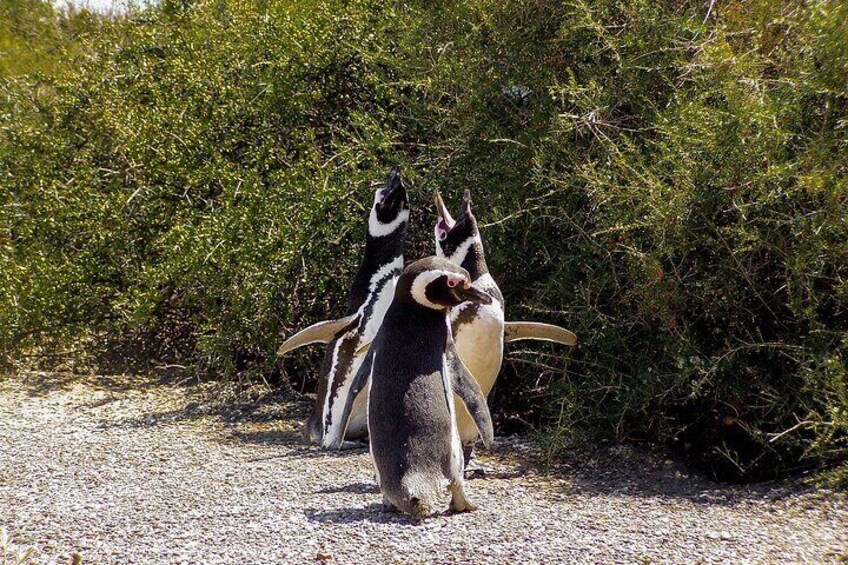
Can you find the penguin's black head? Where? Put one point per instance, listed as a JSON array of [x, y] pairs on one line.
[[454, 237], [439, 284], [391, 206]]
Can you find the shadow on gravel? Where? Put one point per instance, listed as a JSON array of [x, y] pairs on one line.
[[372, 513], [487, 474], [267, 437], [355, 488], [40, 383], [235, 411], [291, 438], [314, 452], [628, 471]]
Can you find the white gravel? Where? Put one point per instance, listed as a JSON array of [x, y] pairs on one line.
[[123, 470]]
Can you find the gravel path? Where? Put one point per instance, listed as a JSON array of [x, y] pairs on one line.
[[119, 470]]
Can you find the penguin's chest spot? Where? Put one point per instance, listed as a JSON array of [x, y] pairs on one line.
[[479, 343]]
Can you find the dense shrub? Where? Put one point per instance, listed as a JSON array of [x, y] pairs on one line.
[[668, 179], [37, 39]]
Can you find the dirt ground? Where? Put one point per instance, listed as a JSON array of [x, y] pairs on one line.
[[126, 470]]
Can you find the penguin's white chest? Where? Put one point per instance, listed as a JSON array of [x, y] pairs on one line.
[[381, 305], [480, 345]]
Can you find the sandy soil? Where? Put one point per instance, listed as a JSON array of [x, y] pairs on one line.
[[125, 470]]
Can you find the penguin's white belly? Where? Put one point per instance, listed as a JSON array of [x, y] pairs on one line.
[[480, 346], [357, 425]]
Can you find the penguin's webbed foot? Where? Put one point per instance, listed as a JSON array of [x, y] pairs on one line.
[[418, 509], [468, 506], [352, 444], [470, 472], [459, 502]]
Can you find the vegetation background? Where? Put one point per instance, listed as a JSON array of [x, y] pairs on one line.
[[183, 185]]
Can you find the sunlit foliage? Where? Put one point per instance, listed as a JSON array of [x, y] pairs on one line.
[[668, 179]]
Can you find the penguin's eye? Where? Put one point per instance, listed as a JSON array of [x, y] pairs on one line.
[[452, 282], [443, 235], [380, 198]]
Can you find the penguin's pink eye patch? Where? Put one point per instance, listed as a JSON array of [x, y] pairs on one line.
[[456, 280], [380, 198], [442, 229]]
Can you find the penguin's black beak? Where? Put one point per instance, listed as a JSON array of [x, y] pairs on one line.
[[394, 179], [471, 294], [465, 206], [394, 192], [390, 200]]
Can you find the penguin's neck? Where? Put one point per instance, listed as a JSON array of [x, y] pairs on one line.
[[414, 329], [379, 253], [382, 250], [475, 260], [417, 315]]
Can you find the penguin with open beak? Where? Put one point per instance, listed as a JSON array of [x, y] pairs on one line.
[[480, 330]]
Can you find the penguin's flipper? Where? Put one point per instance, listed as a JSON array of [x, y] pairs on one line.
[[466, 387], [514, 331], [335, 440], [322, 332]]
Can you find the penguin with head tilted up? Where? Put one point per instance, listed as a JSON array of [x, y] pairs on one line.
[[479, 329], [414, 372], [370, 295]]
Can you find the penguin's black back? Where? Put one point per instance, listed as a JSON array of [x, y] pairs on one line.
[[409, 417]]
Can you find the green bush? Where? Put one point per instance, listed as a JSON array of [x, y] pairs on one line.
[[669, 181], [36, 39]]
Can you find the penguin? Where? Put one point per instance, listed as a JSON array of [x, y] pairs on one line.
[[369, 297], [414, 371], [480, 330]]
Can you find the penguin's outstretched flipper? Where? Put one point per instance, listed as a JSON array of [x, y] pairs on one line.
[[466, 387], [322, 332], [335, 439], [515, 331]]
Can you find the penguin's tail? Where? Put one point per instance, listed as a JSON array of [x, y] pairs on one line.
[[417, 490]]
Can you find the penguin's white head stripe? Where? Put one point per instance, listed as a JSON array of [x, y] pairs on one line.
[[423, 280], [376, 228], [461, 252]]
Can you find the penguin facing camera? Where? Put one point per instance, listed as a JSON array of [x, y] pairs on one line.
[[414, 371]]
